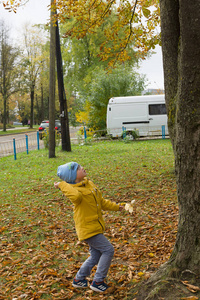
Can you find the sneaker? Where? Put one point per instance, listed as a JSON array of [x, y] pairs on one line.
[[80, 283], [99, 286]]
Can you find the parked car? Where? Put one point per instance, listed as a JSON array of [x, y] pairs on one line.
[[45, 124], [17, 123], [58, 125]]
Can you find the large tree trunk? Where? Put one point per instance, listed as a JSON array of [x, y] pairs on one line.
[[170, 43], [180, 25], [182, 85]]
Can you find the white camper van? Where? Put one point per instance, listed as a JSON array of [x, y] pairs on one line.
[[144, 114]]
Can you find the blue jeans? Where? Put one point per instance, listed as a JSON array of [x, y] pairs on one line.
[[101, 253]]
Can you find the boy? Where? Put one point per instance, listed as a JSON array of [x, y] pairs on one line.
[[88, 203]]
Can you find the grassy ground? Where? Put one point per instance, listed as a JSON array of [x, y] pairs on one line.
[[19, 129], [39, 254]]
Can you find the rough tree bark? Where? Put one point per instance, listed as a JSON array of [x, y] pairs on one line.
[[180, 30], [180, 23]]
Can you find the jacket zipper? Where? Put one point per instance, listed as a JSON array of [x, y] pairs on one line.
[[97, 210]]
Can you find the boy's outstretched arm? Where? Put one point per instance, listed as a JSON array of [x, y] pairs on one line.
[[110, 205], [69, 191]]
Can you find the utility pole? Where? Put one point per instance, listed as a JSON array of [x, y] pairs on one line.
[[52, 85], [65, 134]]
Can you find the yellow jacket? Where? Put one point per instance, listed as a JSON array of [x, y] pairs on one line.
[[88, 205]]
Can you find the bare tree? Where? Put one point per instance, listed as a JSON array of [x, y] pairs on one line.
[[9, 74], [32, 62]]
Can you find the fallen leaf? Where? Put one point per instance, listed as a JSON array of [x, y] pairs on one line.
[[190, 298], [191, 287], [129, 208]]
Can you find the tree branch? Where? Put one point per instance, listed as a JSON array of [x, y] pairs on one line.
[[130, 32]]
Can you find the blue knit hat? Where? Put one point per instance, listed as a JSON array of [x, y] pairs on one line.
[[68, 171]]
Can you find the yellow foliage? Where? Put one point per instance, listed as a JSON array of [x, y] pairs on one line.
[[136, 23], [89, 15], [83, 116], [12, 5]]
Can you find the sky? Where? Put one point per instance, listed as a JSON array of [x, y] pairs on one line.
[[153, 68], [37, 11]]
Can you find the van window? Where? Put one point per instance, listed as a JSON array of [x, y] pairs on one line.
[[157, 109]]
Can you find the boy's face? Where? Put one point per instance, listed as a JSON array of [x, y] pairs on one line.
[[80, 174]]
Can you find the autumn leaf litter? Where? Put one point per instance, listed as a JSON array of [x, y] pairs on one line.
[[40, 254]]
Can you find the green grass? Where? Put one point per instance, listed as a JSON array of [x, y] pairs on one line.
[[39, 256], [21, 130]]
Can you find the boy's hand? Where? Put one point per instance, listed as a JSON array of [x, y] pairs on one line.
[[121, 207], [56, 184]]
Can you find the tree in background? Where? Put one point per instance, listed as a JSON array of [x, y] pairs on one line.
[[122, 81], [32, 62], [9, 71], [82, 64], [135, 23], [101, 34], [23, 107], [42, 86]]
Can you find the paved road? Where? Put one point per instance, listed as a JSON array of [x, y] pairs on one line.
[[6, 141], [10, 136]]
